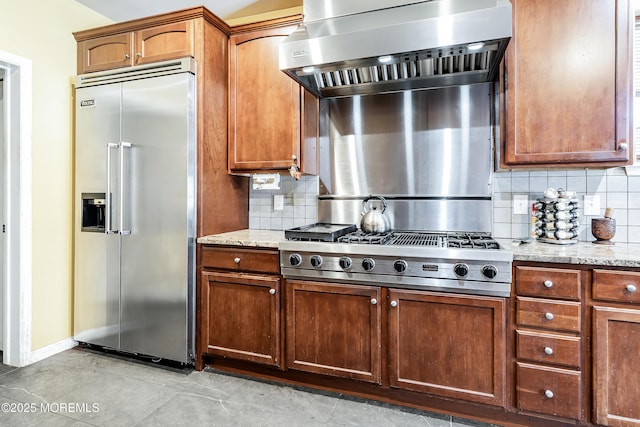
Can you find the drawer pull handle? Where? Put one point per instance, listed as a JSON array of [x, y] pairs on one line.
[[374, 301], [631, 288], [548, 350], [548, 394], [548, 316], [548, 284], [272, 291], [236, 260], [394, 303]]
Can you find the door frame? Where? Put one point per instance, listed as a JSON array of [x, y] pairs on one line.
[[17, 212]]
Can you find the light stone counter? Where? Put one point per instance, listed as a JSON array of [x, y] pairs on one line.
[[618, 255], [247, 237]]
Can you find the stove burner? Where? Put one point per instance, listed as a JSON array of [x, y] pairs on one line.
[[471, 240], [366, 238]]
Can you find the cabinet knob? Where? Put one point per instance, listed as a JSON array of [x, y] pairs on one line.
[[548, 394], [394, 303], [294, 157], [138, 54], [631, 288], [548, 350], [548, 316], [548, 284], [127, 56], [236, 260], [623, 146], [272, 291], [374, 301]]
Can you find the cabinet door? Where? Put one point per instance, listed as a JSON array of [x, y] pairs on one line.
[[104, 53], [164, 42], [568, 83], [616, 346], [334, 329], [241, 317], [264, 104], [452, 346]]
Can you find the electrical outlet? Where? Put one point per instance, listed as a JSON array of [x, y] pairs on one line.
[[520, 204], [278, 202], [592, 205]]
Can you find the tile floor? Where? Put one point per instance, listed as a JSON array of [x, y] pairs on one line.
[[82, 387]]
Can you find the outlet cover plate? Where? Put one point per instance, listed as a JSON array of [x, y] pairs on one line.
[[592, 205], [520, 204]]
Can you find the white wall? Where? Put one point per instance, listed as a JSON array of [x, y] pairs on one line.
[[2, 131], [42, 32]]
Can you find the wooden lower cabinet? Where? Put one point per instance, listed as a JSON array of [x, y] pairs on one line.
[[451, 346], [334, 329], [242, 319], [616, 377], [549, 390]]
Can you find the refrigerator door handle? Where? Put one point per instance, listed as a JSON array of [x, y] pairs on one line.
[[123, 145], [108, 217]]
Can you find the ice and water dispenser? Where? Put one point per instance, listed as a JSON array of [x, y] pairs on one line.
[[93, 212]]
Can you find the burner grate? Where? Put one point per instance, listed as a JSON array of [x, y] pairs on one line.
[[417, 239], [471, 240], [366, 238]]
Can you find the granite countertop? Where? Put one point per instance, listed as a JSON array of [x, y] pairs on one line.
[[248, 237], [618, 255]]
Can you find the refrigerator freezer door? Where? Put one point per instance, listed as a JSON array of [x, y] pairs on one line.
[[97, 259], [158, 216]]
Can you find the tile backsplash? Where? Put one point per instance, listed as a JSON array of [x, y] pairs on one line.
[[615, 188], [299, 207]]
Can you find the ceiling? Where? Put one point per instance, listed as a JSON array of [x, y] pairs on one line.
[[125, 10]]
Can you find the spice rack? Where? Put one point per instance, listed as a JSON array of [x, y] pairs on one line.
[[556, 220]]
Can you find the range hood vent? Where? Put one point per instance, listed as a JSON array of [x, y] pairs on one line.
[[343, 49]]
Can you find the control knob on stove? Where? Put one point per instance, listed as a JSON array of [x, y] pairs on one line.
[[368, 264], [489, 271], [316, 260], [461, 270], [345, 262], [295, 260], [400, 266]]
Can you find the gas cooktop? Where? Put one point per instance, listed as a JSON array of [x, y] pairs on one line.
[[471, 263]]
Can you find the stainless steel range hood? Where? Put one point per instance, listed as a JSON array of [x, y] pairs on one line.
[[346, 48]]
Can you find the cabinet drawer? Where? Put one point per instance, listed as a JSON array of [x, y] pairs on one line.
[[551, 391], [618, 286], [548, 348], [241, 259], [549, 314], [548, 282]]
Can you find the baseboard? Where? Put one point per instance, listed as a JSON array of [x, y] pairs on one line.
[[50, 350]]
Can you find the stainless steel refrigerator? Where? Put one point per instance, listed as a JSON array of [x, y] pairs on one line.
[[135, 208]]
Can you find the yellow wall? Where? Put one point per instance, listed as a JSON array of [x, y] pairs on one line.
[[41, 31]]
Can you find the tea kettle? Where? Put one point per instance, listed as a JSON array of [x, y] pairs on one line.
[[374, 220]]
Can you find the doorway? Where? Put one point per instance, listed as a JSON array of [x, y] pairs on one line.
[[2, 138], [15, 209]]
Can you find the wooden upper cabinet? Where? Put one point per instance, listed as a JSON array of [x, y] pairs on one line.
[[164, 42], [264, 103], [105, 53], [568, 80], [152, 44]]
